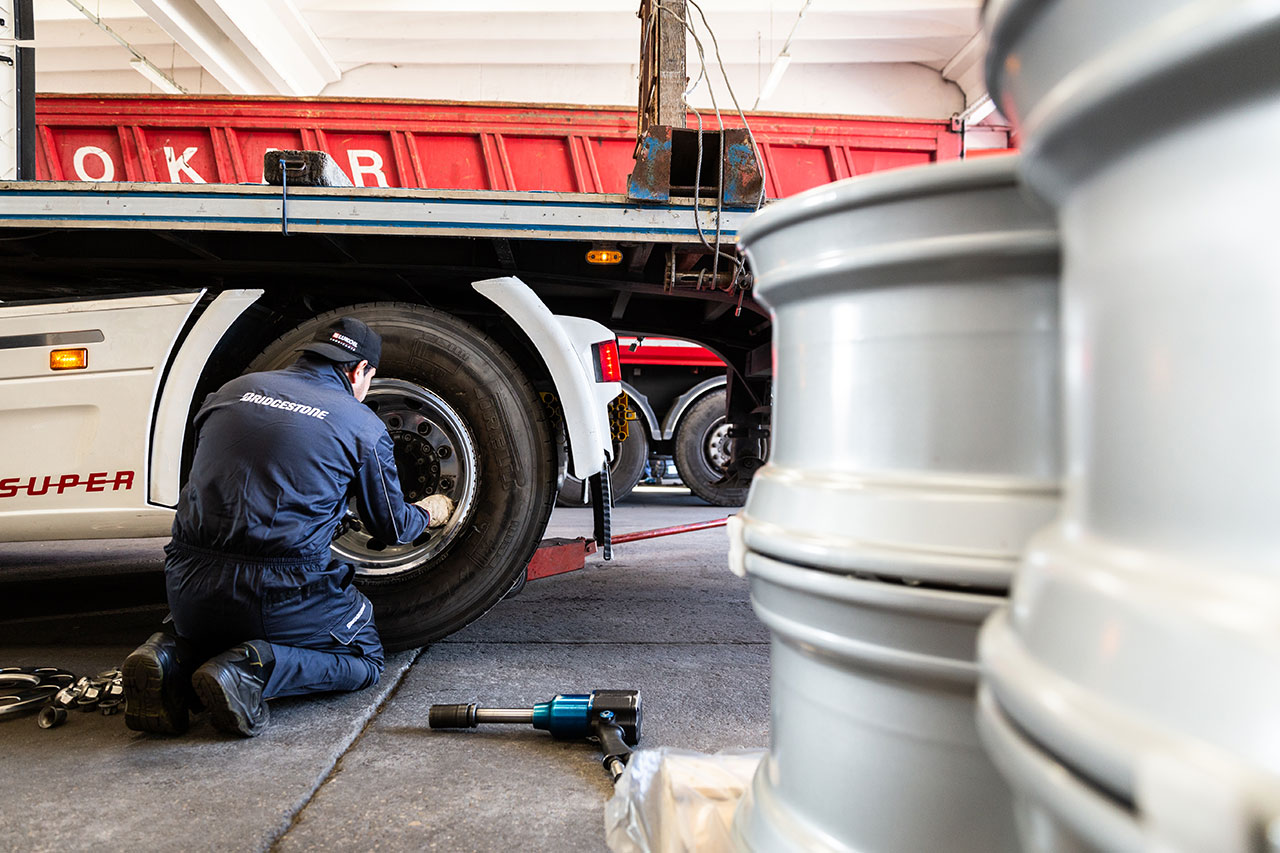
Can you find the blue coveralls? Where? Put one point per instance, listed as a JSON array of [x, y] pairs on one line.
[[278, 455]]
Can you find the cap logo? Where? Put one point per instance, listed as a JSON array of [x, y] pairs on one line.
[[343, 341]]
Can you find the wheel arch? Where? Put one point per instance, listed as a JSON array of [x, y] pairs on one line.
[[645, 408], [178, 396], [273, 313], [686, 400]]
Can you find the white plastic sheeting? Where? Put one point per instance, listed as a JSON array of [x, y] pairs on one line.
[[678, 801]]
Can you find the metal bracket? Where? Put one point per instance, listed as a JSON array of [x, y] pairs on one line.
[[287, 165]]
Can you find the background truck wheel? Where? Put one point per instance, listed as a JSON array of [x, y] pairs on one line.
[[466, 422], [702, 451], [625, 470]]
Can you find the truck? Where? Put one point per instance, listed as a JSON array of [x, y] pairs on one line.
[[674, 393], [124, 302], [674, 388]]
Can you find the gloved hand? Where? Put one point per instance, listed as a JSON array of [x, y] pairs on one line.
[[439, 507]]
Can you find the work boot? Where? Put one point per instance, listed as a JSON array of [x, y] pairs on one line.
[[156, 685], [230, 685]]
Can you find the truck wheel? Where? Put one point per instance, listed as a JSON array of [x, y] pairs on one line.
[[467, 423], [625, 471], [702, 451]]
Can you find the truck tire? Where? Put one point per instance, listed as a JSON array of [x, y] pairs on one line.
[[625, 471], [702, 450], [466, 422]]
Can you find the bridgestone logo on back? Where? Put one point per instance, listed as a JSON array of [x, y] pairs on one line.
[[283, 405]]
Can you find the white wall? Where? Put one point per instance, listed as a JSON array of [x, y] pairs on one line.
[[869, 89], [893, 89], [125, 81], [889, 89], [875, 57], [561, 84]]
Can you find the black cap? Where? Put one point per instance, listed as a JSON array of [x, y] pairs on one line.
[[347, 340]]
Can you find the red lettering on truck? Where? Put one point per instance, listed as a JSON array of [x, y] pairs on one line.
[[57, 484]]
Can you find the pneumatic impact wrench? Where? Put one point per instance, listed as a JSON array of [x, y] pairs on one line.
[[610, 717]]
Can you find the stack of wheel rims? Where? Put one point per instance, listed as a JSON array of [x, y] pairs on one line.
[[914, 451], [1131, 692]]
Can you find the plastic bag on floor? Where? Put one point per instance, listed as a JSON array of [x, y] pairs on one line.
[[678, 801]]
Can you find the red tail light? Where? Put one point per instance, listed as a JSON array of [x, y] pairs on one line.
[[608, 368]]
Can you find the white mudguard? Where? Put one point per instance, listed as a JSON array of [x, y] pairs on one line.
[[565, 344]]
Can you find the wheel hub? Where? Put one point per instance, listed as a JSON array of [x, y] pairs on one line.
[[719, 447], [434, 454], [417, 463]]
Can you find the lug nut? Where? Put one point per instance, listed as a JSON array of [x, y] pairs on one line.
[[445, 451], [446, 483], [424, 428]]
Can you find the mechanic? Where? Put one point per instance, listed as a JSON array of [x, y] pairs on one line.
[[254, 595]]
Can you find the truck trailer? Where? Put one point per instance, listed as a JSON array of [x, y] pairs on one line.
[[123, 303], [675, 390]]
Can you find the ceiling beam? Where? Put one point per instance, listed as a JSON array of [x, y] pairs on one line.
[[259, 48], [140, 63], [966, 69]]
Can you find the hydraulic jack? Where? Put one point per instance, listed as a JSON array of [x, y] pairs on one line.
[[609, 717]]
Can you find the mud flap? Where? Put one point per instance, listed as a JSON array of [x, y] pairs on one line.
[[601, 507]]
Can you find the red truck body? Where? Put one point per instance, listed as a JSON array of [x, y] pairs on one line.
[[440, 145]]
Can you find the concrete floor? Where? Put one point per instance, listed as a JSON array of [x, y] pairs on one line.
[[362, 771]]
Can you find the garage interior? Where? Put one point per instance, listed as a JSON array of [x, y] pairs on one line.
[[990, 335]]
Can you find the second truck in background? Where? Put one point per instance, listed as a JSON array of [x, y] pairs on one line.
[[676, 427]]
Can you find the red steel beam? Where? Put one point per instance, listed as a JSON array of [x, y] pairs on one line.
[[558, 556], [667, 531]]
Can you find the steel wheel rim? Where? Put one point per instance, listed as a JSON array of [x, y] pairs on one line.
[[427, 433], [716, 448]]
